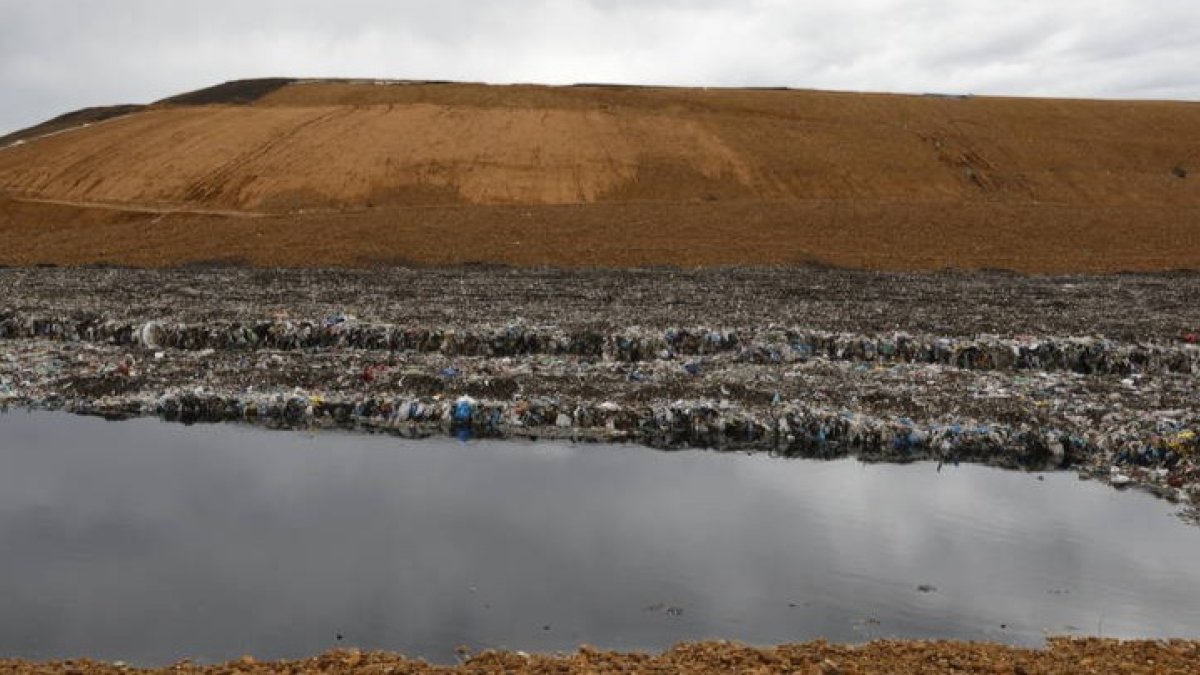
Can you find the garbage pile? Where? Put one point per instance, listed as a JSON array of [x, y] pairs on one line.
[[1088, 355], [1125, 410], [1129, 308]]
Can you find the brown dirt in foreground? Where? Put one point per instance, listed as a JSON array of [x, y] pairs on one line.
[[884, 656], [354, 174]]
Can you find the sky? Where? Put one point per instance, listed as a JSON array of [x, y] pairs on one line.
[[61, 55]]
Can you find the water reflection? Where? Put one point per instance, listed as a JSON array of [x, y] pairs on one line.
[[151, 542]]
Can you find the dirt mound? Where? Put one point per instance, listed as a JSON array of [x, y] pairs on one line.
[[610, 175]]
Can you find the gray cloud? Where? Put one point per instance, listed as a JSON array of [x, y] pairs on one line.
[[58, 55]]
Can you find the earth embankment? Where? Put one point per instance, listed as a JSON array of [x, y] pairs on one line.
[[358, 173]]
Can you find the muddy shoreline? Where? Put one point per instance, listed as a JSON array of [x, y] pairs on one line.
[[1094, 374], [1062, 655]]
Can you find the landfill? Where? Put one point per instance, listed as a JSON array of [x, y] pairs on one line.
[[1092, 374]]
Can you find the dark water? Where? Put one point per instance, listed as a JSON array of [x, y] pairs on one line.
[[151, 542]]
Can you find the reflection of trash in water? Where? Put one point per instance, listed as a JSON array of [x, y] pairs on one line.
[[463, 433]]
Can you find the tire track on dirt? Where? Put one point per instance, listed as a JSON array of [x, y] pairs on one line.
[[216, 186], [142, 208]]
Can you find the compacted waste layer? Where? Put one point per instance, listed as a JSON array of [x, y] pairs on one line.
[[1093, 373]]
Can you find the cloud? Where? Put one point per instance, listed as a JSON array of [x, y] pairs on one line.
[[57, 55]]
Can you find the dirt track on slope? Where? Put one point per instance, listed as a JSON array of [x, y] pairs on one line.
[[360, 174]]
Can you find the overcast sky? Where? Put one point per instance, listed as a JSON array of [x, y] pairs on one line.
[[59, 55]]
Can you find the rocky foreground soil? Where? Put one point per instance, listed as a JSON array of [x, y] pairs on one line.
[[1095, 374], [819, 658]]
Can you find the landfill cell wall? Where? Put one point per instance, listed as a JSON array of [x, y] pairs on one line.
[[356, 173]]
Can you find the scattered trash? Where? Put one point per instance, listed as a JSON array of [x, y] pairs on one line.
[[464, 409], [1084, 355]]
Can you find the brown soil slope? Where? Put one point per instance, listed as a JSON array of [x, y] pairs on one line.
[[362, 172]]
